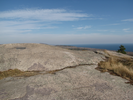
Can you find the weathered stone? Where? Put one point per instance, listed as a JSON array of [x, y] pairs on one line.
[[42, 57], [71, 83]]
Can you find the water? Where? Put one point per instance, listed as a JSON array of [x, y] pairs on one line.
[[129, 47]]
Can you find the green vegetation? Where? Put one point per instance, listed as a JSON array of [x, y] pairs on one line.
[[122, 49]]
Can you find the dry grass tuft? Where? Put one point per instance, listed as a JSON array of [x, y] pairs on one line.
[[17, 73], [121, 66], [52, 71], [106, 51]]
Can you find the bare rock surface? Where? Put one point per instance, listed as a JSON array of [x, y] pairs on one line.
[[29, 57], [80, 83]]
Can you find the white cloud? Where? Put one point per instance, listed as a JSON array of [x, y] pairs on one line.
[[73, 26], [114, 24], [85, 27], [23, 26], [103, 30], [43, 14], [111, 24], [106, 30], [30, 19], [130, 20], [95, 18], [79, 28], [126, 30]]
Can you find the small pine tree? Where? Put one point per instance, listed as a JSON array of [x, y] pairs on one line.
[[122, 49]]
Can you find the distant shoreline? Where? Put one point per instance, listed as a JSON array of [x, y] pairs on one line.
[[85, 48]]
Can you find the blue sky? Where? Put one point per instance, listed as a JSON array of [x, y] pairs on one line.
[[66, 21]]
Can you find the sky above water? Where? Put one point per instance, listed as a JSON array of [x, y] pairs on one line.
[[66, 21]]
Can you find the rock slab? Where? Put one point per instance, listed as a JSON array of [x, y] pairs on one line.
[[79, 83]]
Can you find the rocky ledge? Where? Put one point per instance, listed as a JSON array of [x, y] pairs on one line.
[[62, 75]]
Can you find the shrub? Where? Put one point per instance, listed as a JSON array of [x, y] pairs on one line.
[[122, 49]]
